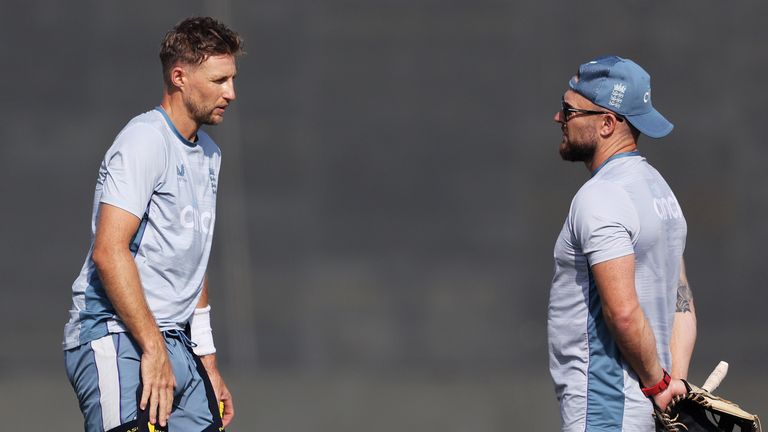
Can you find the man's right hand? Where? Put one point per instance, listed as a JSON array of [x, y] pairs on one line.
[[158, 383]]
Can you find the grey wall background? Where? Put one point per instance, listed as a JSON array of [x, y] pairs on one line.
[[391, 195]]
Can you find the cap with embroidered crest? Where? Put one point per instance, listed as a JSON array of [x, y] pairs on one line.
[[622, 86]]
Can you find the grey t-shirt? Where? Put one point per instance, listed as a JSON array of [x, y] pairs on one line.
[[170, 184], [625, 208]]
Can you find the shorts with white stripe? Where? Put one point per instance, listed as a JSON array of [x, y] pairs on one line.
[[105, 374]]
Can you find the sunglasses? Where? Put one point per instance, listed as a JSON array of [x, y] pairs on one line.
[[567, 110]]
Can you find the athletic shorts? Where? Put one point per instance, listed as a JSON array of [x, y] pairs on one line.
[[105, 374]]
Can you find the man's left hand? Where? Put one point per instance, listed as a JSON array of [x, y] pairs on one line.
[[219, 388], [676, 387]]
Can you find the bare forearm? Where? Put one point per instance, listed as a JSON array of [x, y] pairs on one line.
[[682, 343], [209, 362], [219, 387], [615, 280], [684, 327], [637, 344], [122, 284], [203, 301]]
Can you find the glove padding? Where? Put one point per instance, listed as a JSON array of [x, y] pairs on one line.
[[700, 411]]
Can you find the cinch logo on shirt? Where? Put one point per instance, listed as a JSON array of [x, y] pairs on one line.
[[191, 217], [667, 208]]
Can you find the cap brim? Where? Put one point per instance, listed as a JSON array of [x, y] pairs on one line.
[[652, 124]]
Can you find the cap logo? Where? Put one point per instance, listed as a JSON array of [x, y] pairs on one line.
[[647, 96], [617, 95]]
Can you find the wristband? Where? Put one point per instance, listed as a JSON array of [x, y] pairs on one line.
[[201, 332], [659, 387]]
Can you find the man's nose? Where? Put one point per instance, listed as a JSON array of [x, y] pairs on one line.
[[229, 92]]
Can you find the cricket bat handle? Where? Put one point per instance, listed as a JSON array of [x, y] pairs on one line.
[[716, 377]]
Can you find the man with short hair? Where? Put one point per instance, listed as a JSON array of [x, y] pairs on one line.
[[620, 310], [138, 344]]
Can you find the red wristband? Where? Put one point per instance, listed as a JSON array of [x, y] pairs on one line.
[[659, 387]]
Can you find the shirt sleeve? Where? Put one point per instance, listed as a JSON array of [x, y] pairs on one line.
[[135, 165], [605, 222]]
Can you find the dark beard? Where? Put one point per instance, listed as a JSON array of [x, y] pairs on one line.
[[582, 151], [577, 153]]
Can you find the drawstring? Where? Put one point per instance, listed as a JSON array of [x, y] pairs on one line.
[[180, 335], [183, 338]]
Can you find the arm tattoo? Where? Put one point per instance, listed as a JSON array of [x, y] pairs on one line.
[[684, 297]]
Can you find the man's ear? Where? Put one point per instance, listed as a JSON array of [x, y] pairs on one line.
[[178, 77], [608, 125]]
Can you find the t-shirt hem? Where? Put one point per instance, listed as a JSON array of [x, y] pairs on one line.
[[123, 206], [597, 258]]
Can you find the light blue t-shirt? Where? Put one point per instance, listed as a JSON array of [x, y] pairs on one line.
[[625, 208], [170, 184]]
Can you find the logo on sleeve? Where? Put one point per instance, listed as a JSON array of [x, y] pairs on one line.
[[212, 176]]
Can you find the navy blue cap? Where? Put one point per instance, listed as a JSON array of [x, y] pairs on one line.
[[622, 86]]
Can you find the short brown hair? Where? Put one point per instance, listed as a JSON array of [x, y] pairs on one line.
[[195, 39]]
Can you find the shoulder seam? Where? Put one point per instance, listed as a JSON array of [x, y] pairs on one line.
[[159, 134]]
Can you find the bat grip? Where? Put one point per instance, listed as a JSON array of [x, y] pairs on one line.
[[716, 377]]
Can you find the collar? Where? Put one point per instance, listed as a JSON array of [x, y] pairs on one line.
[[185, 141], [616, 156]]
